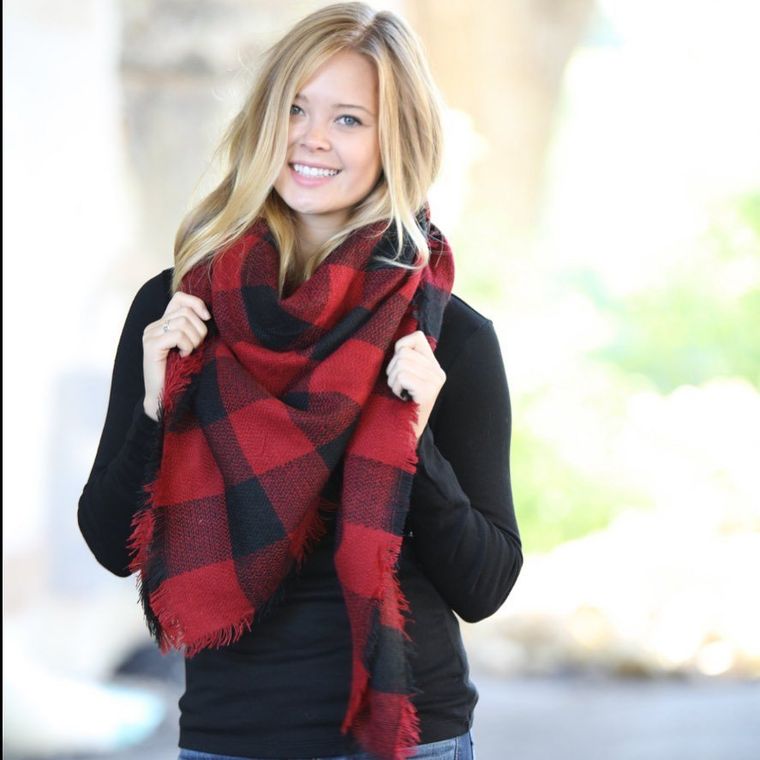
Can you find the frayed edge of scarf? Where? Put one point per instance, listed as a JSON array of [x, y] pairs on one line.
[[309, 534], [311, 531], [172, 635], [412, 441], [276, 599], [180, 374], [408, 730], [221, 638], [143, 526], [390, 580], [408, 734]]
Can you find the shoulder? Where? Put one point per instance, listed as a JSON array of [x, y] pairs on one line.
[[149, 303], [461, 323], [153, 296], [459, 316], [156, 289]]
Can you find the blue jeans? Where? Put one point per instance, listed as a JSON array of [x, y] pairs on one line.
[[458, 748]]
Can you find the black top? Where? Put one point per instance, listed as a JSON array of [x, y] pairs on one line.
[[281, 691]]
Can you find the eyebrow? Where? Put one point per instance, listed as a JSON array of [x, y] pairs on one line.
[[351, 105], [338, 105]]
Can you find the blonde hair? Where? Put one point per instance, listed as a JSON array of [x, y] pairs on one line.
[[255, 145]]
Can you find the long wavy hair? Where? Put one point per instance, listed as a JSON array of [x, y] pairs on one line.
[[255, 144]]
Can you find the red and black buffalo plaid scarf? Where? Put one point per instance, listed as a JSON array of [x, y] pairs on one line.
[[252, 424]]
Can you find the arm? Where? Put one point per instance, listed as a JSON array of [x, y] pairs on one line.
[[465, 532], [112, 493]]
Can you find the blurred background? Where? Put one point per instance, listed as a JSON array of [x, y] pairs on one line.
[[601, 190]]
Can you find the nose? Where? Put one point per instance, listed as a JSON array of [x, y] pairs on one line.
[[314, 136]]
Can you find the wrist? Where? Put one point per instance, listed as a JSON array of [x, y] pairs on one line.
[[151, 408]]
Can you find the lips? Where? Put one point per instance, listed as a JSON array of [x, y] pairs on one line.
[[310, 175], [313, 170]]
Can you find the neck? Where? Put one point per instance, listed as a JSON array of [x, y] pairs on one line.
[[312, 233]]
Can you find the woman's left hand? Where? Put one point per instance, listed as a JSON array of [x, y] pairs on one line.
[[415, 368]]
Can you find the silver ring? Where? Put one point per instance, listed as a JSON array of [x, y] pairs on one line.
[[165, 325]]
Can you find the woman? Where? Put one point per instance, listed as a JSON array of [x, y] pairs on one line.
[[310, 473]]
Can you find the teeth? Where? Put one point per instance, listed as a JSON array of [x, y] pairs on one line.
[[310, 171]]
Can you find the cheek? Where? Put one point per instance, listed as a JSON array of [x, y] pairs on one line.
[[282, 178], [370, 162], [377, 167], [292, 140]]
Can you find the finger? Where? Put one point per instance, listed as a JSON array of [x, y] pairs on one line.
[[180, 299], [406, 393], [185, 326], [407, 356], [417, 340], [173, 339], [406, 380], [182, 318], [415, 370], [184, 337], [429, 373]]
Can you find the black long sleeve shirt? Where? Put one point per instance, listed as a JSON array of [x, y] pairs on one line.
[[281, 691]]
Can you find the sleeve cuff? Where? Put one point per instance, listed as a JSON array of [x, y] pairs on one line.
[[142, 426], [141, 435]]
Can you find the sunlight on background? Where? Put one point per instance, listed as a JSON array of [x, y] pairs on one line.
[[626, 296], [634, 358]]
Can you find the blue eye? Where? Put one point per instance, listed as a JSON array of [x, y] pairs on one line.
[[352, 120], [294, 109]]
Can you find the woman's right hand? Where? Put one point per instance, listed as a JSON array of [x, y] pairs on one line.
[[185, 315]]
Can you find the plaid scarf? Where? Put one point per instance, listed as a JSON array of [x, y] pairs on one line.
[[251, 425]]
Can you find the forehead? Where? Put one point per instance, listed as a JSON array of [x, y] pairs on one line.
[[344, 74]]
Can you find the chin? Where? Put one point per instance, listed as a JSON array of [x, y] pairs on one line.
[[311, 208]]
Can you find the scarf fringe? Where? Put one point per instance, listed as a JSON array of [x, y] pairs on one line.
[[143, 528], [221, 638], [142, 532], [173, 635], [180, 373], [311, 531], [389, 593], [408, 732]]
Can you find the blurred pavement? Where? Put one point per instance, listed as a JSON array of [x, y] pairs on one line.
[[573, 718]]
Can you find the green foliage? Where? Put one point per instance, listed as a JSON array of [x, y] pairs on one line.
[[555, 502], [698, 322], [703, 321]]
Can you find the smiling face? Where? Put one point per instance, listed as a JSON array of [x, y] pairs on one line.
[[333, 158]]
